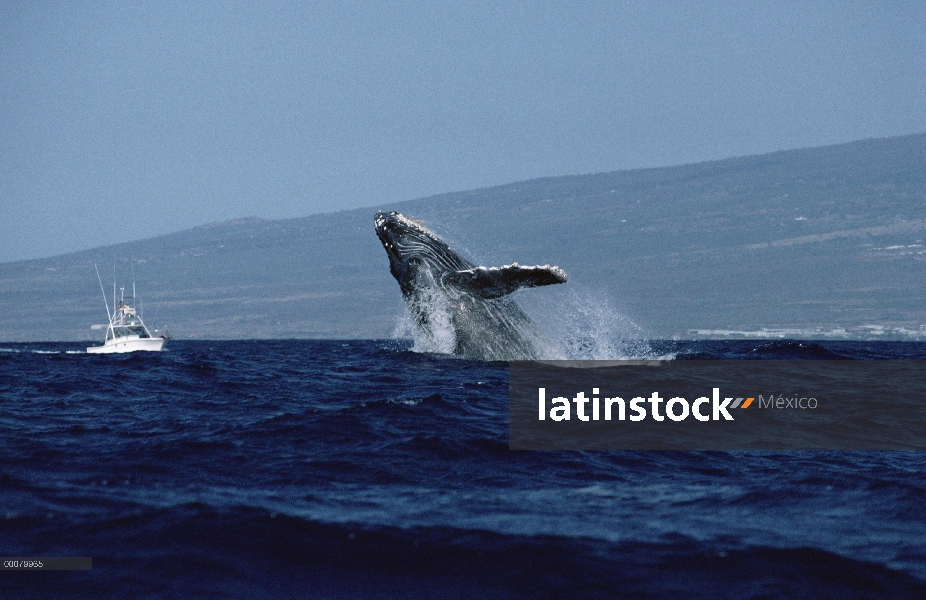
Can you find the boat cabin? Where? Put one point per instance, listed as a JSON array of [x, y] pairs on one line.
[[126, 323]]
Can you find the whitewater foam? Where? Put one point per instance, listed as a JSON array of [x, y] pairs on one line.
[[579, 324], [570, 324]]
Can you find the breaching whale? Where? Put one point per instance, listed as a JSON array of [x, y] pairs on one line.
[[445, 291]]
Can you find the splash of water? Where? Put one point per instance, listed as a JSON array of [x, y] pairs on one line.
[[578, 324], [437, 336], [572, 324]]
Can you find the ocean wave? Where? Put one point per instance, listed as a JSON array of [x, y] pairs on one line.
[[227, 469], [255, 552]]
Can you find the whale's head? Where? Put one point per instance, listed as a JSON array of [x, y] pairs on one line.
[[413, 250]]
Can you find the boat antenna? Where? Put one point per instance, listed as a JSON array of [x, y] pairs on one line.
[[100, 279], [114, 285], [134, 300]]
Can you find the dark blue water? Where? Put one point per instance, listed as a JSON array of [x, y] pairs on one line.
[[323, 469]]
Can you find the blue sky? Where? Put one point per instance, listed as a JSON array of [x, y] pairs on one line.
[[124, 120]]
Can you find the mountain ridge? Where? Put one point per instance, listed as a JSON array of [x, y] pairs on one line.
[[698, 247]]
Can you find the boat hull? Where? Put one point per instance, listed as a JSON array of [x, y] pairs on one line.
[[132, 345]]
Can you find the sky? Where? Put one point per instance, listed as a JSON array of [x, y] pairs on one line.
[[124, 120]]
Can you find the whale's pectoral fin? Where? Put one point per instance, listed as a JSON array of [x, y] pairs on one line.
[[496, 282]]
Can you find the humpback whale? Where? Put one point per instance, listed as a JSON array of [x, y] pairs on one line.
[[444, 291]]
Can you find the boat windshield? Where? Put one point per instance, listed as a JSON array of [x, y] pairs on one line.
[[130, 330]]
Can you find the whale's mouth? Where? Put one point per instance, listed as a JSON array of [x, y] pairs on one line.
[[393, 227], [387, 231]]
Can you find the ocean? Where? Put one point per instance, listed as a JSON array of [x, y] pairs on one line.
[[363, 469]]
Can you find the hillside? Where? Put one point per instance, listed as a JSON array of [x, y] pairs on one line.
[[822, 241]]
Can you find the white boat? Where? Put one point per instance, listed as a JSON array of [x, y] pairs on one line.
[[126, 331]]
